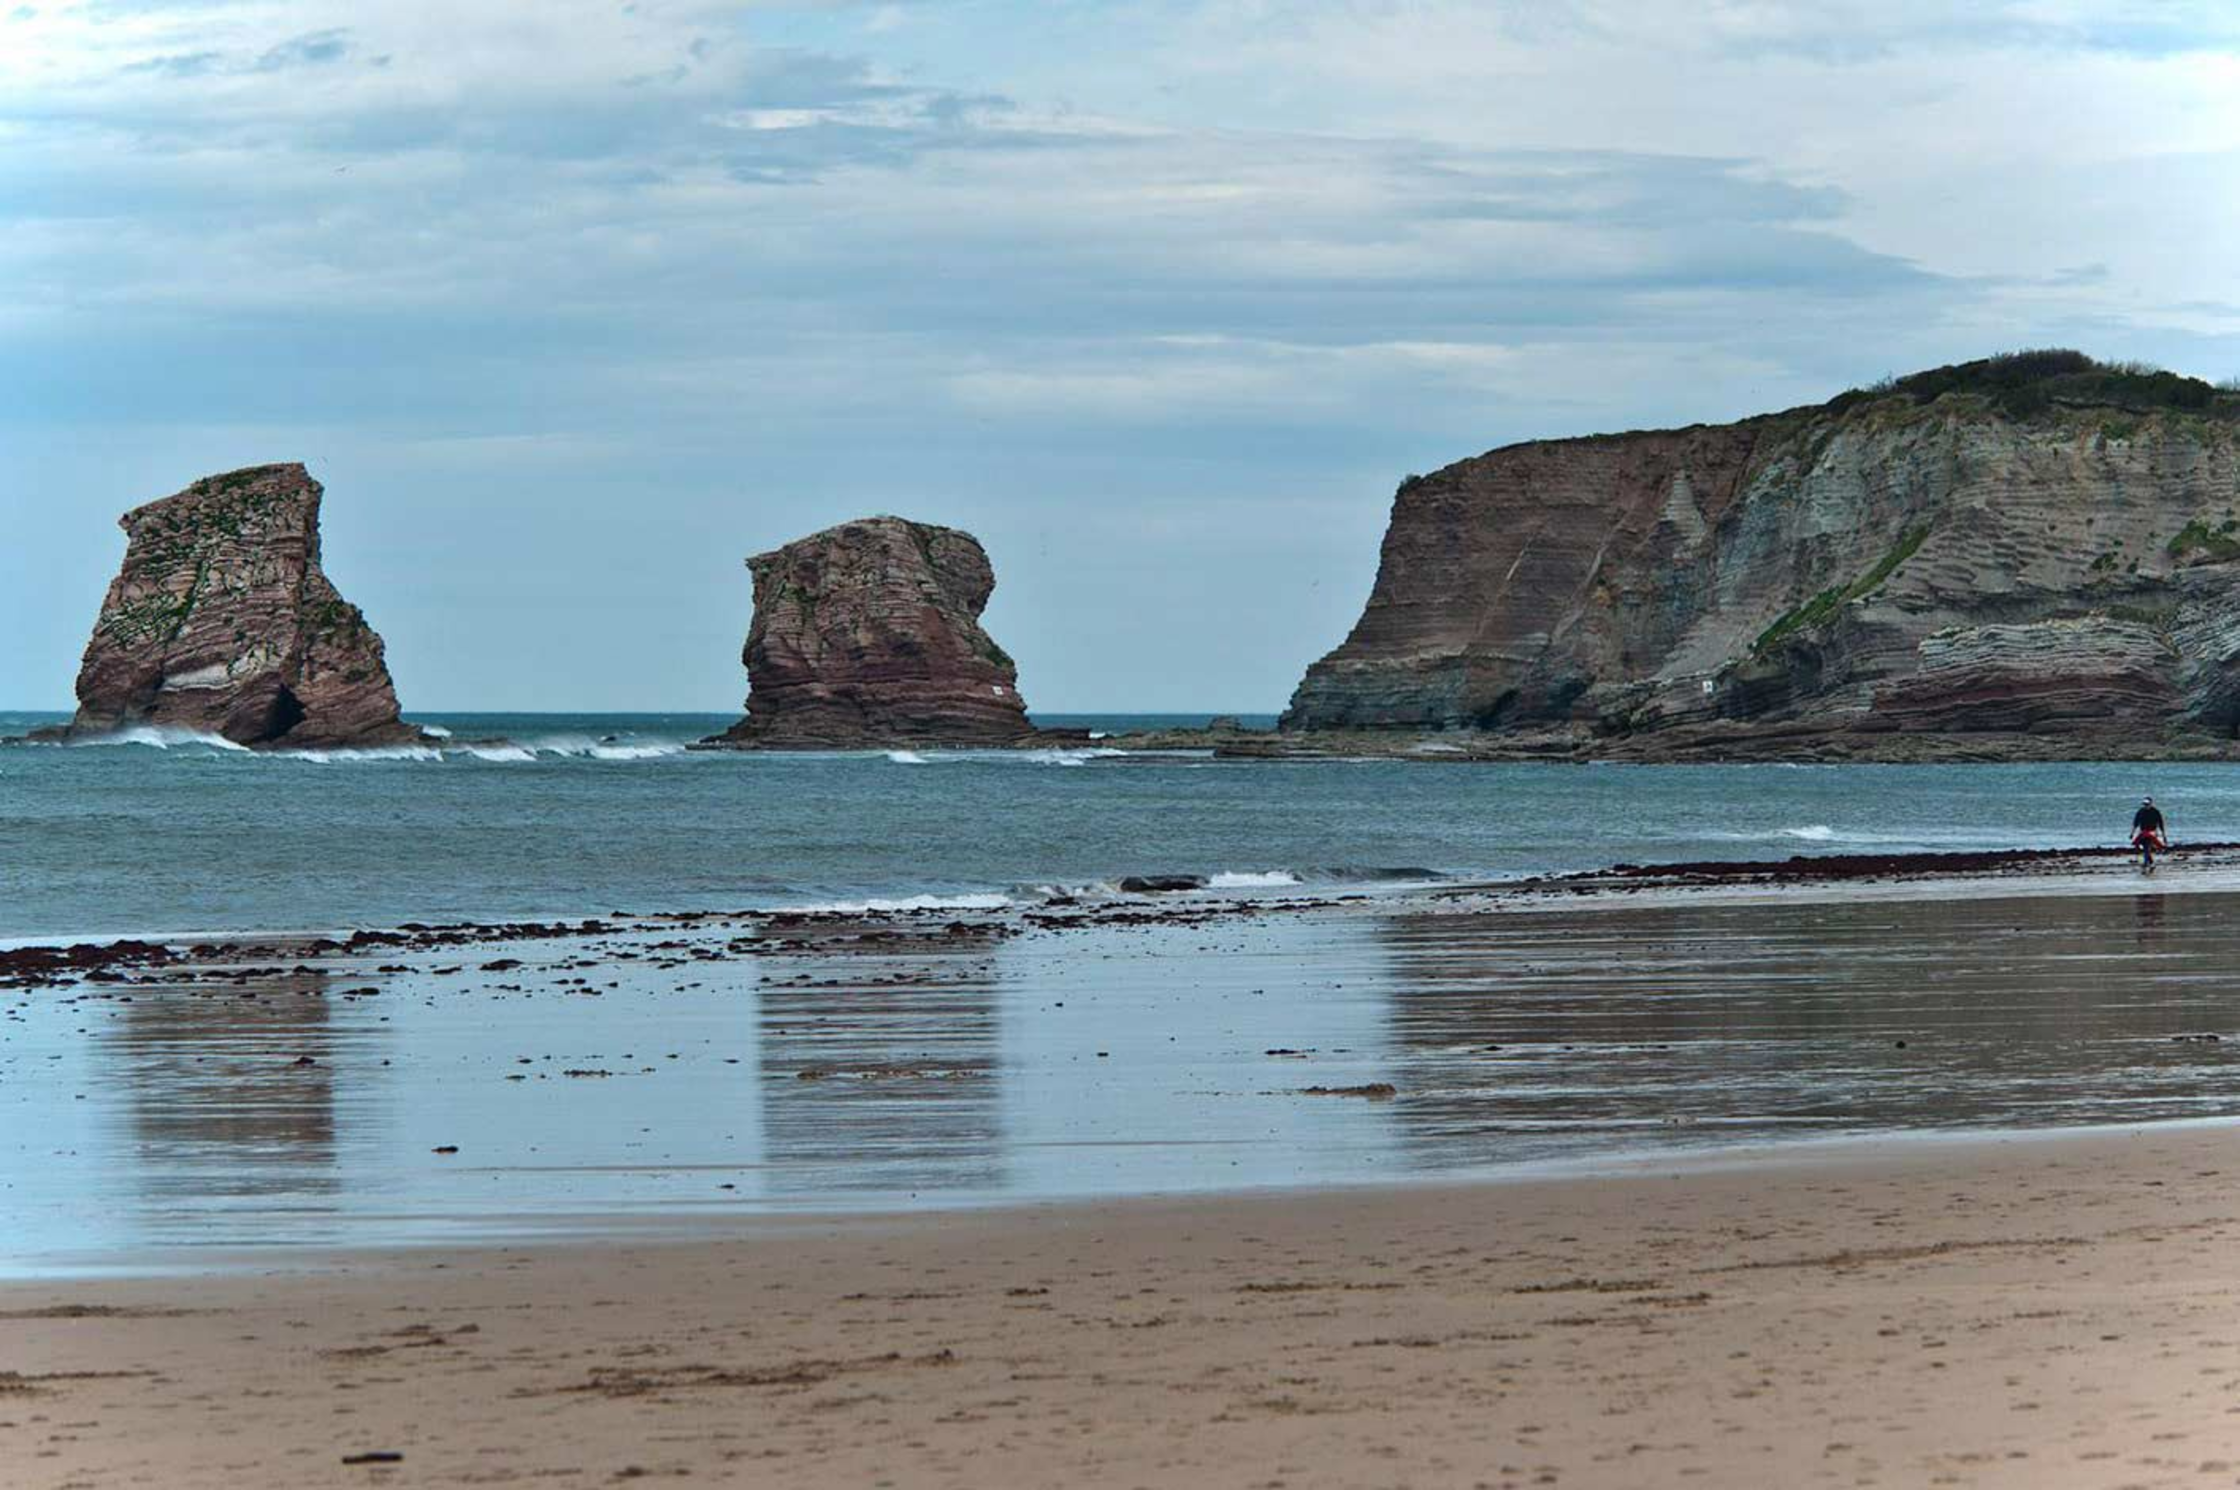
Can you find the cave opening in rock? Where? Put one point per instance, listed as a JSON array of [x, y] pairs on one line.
[[287, 713]]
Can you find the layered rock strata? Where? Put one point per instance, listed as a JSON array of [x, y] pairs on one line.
[[869, 634], [2028, 546], [222, 622]]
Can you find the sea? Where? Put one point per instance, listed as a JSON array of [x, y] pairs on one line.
[[613, 1084], [525, 816]]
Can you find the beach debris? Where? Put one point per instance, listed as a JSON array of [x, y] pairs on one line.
[[1376, 1091], [374, 1456], [448, 1148]]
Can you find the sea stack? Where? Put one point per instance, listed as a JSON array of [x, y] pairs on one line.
[[221, 621], [868, 634], [2038, 547]]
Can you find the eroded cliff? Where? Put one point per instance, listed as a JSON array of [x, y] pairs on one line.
[[869, 634], [221, 621], [2031, 545]]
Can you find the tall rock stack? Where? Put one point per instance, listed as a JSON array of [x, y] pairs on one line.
[[869, 634], [221, 621], [2032, 545]]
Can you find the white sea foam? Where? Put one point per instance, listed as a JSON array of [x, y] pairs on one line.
[[496, 751], [439, 747], [1858, 838], [1070, 757], [435, 730], [370, 753], [909, 903], [648, 752], [160, 736], [907, 758], [1252, 879], [603, 750]]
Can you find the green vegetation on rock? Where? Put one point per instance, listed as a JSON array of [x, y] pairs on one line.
[[1823, 607], [2217, 544], [2028, 384]]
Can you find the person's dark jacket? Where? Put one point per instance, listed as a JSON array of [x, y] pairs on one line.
[[2147, 819]]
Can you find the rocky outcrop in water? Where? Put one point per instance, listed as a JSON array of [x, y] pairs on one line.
[[869, 634], [2030, 546], [221, 621]]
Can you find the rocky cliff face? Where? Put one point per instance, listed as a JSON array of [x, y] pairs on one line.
[[869, 634], [2030, 545], [221, 621]]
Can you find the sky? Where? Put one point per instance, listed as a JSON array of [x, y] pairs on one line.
[[573, 305]]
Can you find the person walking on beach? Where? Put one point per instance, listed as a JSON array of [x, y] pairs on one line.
[[2148, 835]]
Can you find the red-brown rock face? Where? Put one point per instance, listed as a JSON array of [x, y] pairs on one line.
[[2029, 545], [221, 621], [869, 634]]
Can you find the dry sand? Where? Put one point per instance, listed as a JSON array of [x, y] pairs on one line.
[[2034, 1311]]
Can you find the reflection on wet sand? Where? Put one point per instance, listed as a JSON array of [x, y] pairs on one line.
[[666, 1074], [1520, 1036], [881, 1073], [2146, 924], [228, 1090]]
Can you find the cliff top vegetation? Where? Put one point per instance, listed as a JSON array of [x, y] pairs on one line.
[[2028, 383]]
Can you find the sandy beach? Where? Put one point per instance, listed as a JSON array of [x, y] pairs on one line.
[[2049, 1311], [1089, 1196]]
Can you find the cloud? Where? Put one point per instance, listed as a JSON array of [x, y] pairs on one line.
[[764, 266], [312, 49], [179, 64]]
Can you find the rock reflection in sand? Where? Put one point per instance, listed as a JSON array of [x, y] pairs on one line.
[[649, 1072], [228, 1091], [1526, 1037], [884, 1079]]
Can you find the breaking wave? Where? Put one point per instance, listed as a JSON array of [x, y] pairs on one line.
[[603, 749], [986, 902], [440, 746], [159, 736], [1059, 756], [1072, 757], [1860, 838], [1327, 880], [371, 753], [1263, 879]]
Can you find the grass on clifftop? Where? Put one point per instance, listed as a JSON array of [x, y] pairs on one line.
[[2020, 385], [2028, 383]]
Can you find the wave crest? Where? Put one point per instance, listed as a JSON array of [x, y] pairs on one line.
[[158, 736], [876, 906]]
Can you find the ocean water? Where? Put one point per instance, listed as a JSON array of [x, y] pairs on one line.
[[600, 1086], [522, 816]]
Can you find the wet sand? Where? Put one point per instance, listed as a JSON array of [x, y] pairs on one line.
[[424, 1088], [2057, 1309], [2051, 1311]]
